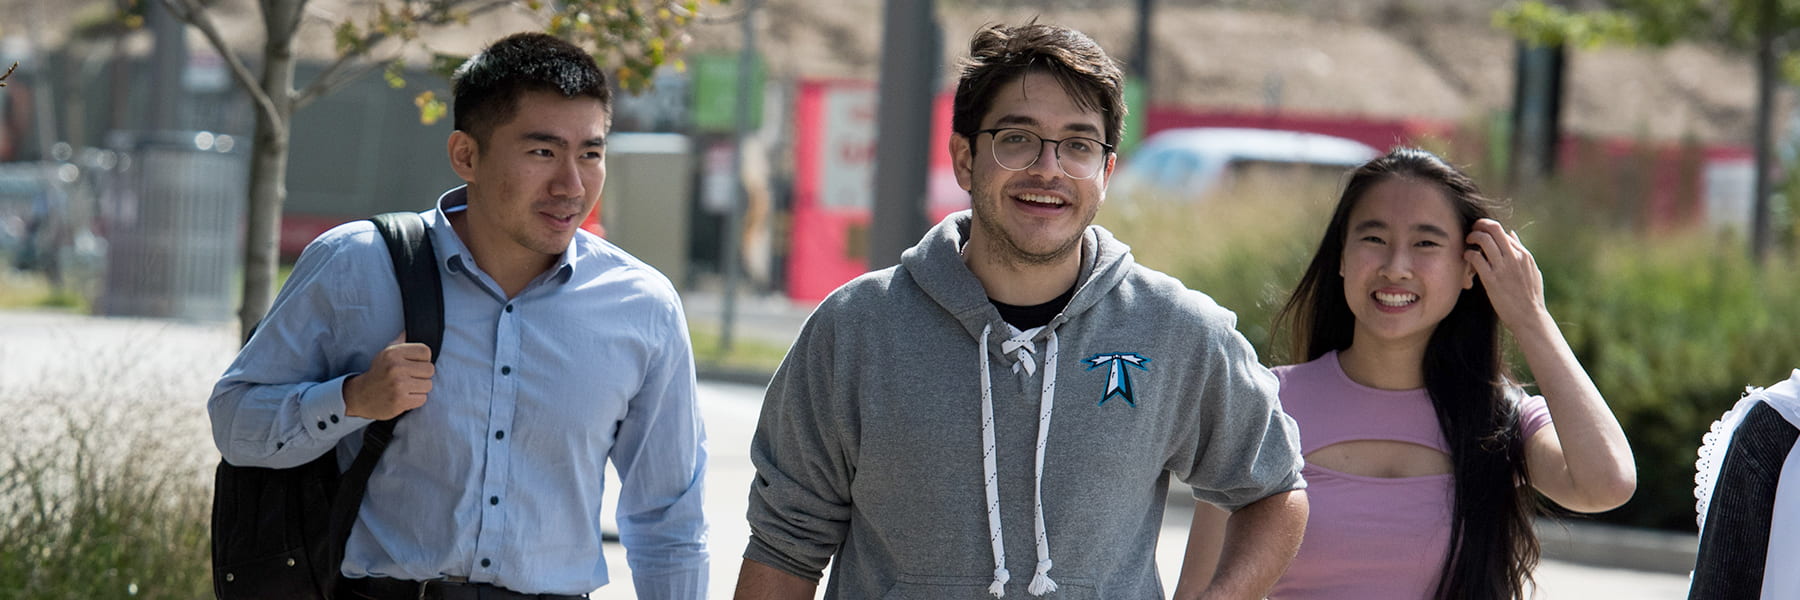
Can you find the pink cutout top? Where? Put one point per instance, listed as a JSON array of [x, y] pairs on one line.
[[1369, 537]]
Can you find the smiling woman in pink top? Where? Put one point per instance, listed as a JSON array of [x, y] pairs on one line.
[[1422, 453]]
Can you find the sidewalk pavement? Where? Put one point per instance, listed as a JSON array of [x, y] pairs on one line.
[[767, 318]]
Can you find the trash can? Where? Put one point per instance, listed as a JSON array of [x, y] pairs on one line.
[[644, 207], [173, 221]]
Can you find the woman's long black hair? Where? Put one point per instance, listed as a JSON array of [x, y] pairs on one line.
[[1493, 548]]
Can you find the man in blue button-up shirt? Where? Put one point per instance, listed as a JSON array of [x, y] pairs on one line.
[[560, 352]]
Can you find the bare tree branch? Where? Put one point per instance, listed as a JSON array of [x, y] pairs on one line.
[[323, 86], [191, 13], [485, 8], [321, 14], [731, 19], [329, 80], [334, 78]]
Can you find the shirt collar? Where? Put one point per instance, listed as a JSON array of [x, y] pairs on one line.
[[452, 251]]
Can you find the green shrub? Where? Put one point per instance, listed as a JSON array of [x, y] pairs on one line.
[[1672, 329], [33, 291], [75, 529], [1245, 248], [102, 492]]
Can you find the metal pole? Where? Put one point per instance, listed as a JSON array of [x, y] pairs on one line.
[[1140, 56], [734, 218], [910, 47], [1765, 108], [1537, 104], [167, 62]]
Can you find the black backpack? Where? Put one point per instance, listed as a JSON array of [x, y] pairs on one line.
[[280, 533]]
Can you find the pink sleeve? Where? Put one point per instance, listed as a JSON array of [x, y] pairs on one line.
[[1534, 414]]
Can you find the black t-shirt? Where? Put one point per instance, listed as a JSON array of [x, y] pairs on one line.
[[1027, 317]]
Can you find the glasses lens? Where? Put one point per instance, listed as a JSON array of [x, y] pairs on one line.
[[1079, 156], [1016, 149]]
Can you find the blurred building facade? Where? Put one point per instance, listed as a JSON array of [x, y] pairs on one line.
[[1663, 135]]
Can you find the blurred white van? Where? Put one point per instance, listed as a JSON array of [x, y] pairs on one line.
[[1193, 164]]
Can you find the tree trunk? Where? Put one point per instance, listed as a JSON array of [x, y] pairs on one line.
[[268, 163]]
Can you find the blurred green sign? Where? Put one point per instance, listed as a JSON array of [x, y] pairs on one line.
[[715, 92], [1136, 107]]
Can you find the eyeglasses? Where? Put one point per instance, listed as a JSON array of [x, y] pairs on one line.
[[1018, 149]]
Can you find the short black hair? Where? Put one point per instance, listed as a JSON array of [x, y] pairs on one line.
[[487, 87], [999, 55]]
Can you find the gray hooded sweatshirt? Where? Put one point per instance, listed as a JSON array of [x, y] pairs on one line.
[[927, 449]]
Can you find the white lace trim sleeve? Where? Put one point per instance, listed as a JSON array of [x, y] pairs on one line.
[[1712, 451], [1783, 396]]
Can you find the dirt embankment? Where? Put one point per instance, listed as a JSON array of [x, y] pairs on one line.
[[1390, 59], [1376, 58]]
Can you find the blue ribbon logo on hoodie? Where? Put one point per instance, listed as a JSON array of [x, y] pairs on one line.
[[1118, 380]]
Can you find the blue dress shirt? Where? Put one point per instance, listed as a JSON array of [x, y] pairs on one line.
[[498, 476]]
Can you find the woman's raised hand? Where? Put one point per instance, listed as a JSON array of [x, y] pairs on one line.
[[1507, 269]]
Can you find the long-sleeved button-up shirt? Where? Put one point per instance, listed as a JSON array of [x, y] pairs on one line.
[[498, 476]]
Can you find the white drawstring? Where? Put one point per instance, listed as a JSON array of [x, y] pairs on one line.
[[998, 587], [1022, 345], [1040, 582]]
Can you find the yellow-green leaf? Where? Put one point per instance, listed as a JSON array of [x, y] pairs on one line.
[[345, 36], [393, 74], [1790, 69], [430, 108]]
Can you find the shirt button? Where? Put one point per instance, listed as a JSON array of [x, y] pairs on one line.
[[321, 425], [505, 370], [499, 435], [334, 419], [493, 500], [509, 308], [486, 562]]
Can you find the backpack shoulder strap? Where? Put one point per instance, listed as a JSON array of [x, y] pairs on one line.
[[422, 300], [415, 266]]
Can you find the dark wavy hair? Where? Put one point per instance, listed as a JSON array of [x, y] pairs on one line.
[[486, 88], [999, 54], [1493, 548]]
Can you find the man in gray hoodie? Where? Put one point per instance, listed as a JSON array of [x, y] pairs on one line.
[[1013, 397]]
